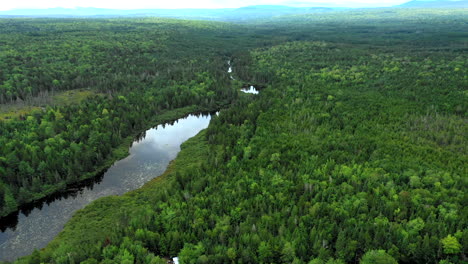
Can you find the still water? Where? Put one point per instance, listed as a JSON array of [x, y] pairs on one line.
[[149, 156], [250, 89]]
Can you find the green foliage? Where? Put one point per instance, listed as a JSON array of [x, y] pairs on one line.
[[191, 253], [127, 80], [451, 245], [357, 141], [377, 257]]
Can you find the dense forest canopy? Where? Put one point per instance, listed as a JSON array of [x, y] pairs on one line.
[[131, 70], [354, 151]]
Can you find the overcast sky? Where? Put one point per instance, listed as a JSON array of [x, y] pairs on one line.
[[137, 4]]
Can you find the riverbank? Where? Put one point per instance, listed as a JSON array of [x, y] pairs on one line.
[[96, 223], [118, 153]]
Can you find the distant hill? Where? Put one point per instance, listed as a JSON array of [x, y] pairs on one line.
[[226, 14], [91, 11], [262, 11], [436, 4], [334, 4]]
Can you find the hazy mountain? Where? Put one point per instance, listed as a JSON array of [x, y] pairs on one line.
[[330, 4], [276, 10], [91, 11], [436, 4], [226, 14]]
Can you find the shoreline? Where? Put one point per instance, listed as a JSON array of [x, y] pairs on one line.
[[110, 207], [118, 153]]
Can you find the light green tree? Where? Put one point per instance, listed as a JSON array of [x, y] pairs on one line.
[[451, 245], [377, 257]]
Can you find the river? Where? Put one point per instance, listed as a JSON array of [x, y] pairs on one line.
[[149, 156], [249, 89], [36, 225]]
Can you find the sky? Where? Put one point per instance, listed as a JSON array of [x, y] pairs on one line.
[[141, 4]]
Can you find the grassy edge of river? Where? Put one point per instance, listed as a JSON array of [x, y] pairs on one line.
[[118, 153], [95, 223]]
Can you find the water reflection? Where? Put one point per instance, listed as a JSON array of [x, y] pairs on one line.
[[230, 70], [38, 223], [11, 221], [251, 90]]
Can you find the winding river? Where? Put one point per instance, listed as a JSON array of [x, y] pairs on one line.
[[149, 156], [36, 225], [249, 89]]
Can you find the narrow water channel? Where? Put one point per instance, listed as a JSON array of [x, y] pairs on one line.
[[149, 157], [250, 89]]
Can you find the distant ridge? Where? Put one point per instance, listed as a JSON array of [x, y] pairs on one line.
[[436, 4], [225, 14], [91, 11]]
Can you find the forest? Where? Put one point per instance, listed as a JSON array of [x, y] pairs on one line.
[[128, 76], [354, 151]]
